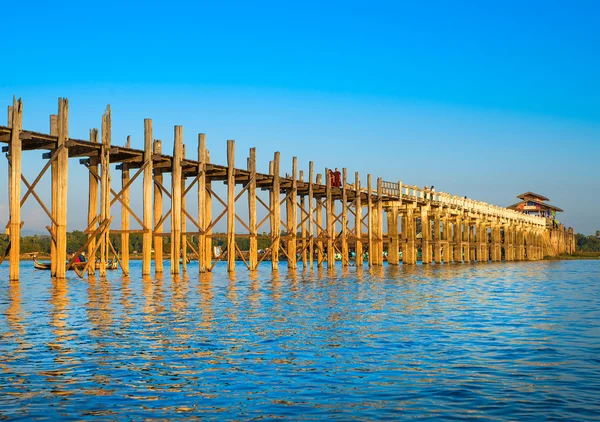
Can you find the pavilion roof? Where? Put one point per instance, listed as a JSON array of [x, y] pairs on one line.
[[533, 194]]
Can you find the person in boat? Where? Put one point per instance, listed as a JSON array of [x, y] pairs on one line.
[[80, 258]]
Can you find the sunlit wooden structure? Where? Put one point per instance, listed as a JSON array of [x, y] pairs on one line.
[[321, 221]]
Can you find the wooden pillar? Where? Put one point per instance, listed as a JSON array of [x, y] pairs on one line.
[[379, 240], [458, 239], [231, 252], [466, 240], [409, 255], [292, 217], [147, 201], [319, 211], [208, 243], [329, 208], [253, 252], [62, 187], [183, 217], [176, 199], [344, 234], [92, 205], [276, 214], [125, 213], [105, 186], [202, 203], [54, 178], [15, 189], [358, 222], [158, 212], [311, 211], [425, 235], [370, 221], [437, 245], [393, 240], [447, 238], [303, 230]]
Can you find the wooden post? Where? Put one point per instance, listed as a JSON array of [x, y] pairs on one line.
[[393, 241], [329, 222], [466, 241], [202, 222], [231, 253], [358, 261], [208, 219], [176, 200], [276, 215], [409, 255], [425, 235], [303, 230], [62, 187], [379, 240], [158, 212], [92, 204], [447, 238], [319, 211], [370, 220], [15, 189], [125, 213], [147, 198], [105, 187], [54, 178], [253, 252], [183, 218], [437, 245], [311, 217], [345, 261], [458, 239], [292, 217]]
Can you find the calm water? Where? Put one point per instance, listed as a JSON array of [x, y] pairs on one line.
[[492, 341]]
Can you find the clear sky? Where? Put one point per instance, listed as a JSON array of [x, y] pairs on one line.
[[484, 99]]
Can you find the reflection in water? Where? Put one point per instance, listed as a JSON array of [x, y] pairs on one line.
[[441, 341]]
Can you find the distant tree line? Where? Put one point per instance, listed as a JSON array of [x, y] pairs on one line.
[[76, 239], [588, 243]]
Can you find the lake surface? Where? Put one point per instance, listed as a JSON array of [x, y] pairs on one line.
[[496, 341]]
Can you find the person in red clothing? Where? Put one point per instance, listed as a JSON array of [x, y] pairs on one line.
[[331, 178], [337, 176]]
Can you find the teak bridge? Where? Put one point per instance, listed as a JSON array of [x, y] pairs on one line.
[[453, 229]]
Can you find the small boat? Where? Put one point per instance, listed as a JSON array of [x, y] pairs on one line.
[[110, 265]]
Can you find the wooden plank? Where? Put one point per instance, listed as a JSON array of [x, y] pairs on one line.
[[157, 211], [176, 200], [147, 201], [62, 188], [253, 252], [125, 214], [105, 188], [231, 206], [15, 149], [92, 204]]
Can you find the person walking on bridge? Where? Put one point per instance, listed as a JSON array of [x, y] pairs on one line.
[[337, 176]]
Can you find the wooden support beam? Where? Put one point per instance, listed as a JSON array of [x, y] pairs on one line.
[[202, 222], [344, 231], [15, 149], [329, 221], [379, 222], [425, 235], [253, 247], [208, 251], [393, 242], [409, 253], [447, 237], [370, 220], [292, 217], [125, 213], [303, 230], [158, 212], [105, 188], [176, 199], [62, 179], [231, 252], [319, 223], [276, 214], [148, 187], [358, 222], [458, 240], [92, 205], [183, 218], [54, 182], [466, 240], [437, 241], [311, 211]]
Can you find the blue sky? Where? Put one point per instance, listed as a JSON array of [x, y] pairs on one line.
[[481, 99]]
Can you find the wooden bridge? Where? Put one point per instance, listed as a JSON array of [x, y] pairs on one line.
[[453, 229]]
